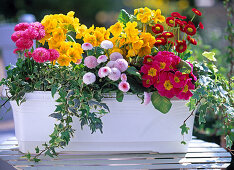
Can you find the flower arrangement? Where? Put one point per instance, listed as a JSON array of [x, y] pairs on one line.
[[144, 54]]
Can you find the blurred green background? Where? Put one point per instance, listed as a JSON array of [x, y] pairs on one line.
[[105, 12]]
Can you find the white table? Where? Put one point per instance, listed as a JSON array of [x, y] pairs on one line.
[[200, 154]]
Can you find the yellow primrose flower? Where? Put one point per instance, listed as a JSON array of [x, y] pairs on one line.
[[64, 60], [77, 47], [131, 53], [137, 45], [90, 39], [80, 31], [99, 38], [131, 32], [145, 50], [116, 50], [64, 48], [59, 34], [158, 17], [116, 29], [148, 38], [74, 55]]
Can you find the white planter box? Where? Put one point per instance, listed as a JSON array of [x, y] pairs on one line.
[[130, 126]]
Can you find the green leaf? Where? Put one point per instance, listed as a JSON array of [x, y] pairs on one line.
[[70, 38], [54, 89], [184, 67], [228, 142], [119, 96], [184, 129], [37, 149], [161, 103], [36, 159], [183, 142], [186, 56], [56, 115], [133, 71], [209, 55], [48, 153], [124, 17]]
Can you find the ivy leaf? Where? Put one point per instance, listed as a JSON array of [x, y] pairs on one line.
[[228, 142], [119, 96], [161, 103], [49, 153], [209, 55], [76, 103], [37, 149], [56, 116], [54, 89], [36, 159], [184, 67], [184, 129], [203, 110], [105, 106], [124, 17], [183, 142]]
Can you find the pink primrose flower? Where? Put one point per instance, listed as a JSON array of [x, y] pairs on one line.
[[179, 79], [165, 86], [186, 93]]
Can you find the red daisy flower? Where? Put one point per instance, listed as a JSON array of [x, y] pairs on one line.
[[170, 21], [181, 46], [171, 43], [177, 15], [191, 40], [157, 29], [168, 34], [191, 23], [182, 25], [160, 41], [190, 29], [197, 12], [201, 25], [148, 59]]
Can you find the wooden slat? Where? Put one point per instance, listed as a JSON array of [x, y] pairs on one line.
[[200, 155], [114, 167]]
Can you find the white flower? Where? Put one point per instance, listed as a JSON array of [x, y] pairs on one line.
[[104, 71], [147, 98], [106, 44], [123, 77], [115, 74], [115, 55], [90, 62], [102, 59], [89, 78], [87, 46], [121, 64], [110, 64], [124, 86]]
